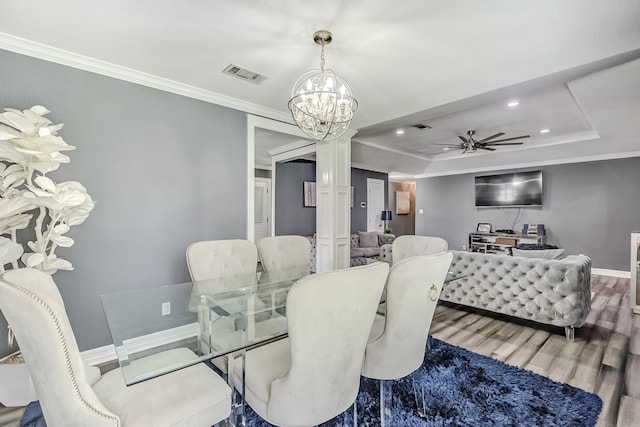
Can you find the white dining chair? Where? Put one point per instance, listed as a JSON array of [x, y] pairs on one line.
[[398, 339], [285, 257], [32, 305], [314, 374], [408, 246], [213, 259], [234, 263]]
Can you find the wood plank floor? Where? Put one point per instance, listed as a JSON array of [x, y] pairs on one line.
[[603, 359]]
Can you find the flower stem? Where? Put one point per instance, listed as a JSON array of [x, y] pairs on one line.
[[14, 239]]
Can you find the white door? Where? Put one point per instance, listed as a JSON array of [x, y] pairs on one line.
[[262, 208], [375, 204]]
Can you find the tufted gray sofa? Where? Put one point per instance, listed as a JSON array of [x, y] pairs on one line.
[[383, 253], [555, 292]]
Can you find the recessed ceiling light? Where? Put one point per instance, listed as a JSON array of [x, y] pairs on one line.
[[399, 132], [545, 130], [513, 104], [445, 148]]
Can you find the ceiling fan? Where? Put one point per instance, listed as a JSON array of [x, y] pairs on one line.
[[471, 145]]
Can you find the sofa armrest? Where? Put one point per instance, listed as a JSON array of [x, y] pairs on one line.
[[384, 239], [385, 253]]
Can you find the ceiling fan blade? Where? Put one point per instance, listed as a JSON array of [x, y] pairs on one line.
[[492, 144], [511, 139], [463, 139], [486, 148], [491, 137]]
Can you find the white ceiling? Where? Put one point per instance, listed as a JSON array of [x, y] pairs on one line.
[[573, 65]]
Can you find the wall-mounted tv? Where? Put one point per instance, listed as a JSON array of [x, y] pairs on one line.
[[510, 189]]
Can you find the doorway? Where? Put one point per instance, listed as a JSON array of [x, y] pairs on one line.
[[262, 208], [375, 204]]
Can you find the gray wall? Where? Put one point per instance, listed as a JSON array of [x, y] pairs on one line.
[[402, 224], [290, 214], [293, 218], [165, 171], [359, 183], [588, 208]]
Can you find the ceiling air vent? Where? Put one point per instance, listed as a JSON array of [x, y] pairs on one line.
[[244, 74], [421, 126]]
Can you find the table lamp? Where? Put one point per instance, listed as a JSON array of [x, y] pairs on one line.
[[386, 217]]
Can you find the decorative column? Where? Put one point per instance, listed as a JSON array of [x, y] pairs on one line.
[[333, 203]]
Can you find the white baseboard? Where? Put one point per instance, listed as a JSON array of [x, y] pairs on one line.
[[611, 273], [96, 356], [107, 353]]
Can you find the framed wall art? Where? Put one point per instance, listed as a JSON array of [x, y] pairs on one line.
[[309, 194], [403, 202], [309, 189]]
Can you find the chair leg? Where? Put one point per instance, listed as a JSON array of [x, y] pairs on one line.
[[569, 332], [419, 393], [386, 394], [355, 415]]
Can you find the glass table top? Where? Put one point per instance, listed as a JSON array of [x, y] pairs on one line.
[[211, 318]]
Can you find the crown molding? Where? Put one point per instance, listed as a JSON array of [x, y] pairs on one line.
[[392, 150], [63, 57], [563, 161]]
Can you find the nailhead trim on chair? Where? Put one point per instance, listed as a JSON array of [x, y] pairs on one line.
[[72, 376]]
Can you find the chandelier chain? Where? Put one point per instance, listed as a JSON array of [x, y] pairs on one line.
[[322, 58]]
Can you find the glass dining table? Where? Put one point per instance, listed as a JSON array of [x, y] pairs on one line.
[[212, 318]]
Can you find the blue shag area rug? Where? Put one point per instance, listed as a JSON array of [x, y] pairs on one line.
[[460, 388]]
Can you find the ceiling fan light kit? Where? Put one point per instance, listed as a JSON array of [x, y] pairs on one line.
[[321, 101]]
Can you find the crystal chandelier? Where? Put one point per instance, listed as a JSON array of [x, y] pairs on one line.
[[321, 103]]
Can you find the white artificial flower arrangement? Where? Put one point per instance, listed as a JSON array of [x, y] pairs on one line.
[[29, 149]]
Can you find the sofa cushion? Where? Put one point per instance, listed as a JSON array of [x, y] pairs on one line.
[[368, 239], [365, 252]]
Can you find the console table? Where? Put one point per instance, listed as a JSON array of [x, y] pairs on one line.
[[499, 243]]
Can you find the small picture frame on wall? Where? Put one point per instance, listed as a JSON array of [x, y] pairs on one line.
[[403, 202], [483, 227], [309, 194]]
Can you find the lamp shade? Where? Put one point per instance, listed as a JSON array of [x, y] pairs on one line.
[[385, 216]]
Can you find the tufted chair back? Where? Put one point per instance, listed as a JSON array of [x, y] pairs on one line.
[[33, 307], [397, 343], [288, 257], [408, 246], [215, 259]]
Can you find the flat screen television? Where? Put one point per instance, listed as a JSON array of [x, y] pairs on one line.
[[510, 189]]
